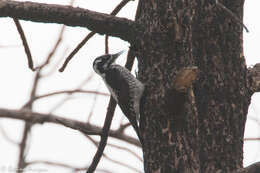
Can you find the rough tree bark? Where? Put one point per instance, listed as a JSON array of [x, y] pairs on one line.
[[222, 91], [201, 128], [205, 135]]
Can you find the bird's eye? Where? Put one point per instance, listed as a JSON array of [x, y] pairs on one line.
[[98, 65]]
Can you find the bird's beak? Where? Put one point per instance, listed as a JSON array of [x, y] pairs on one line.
[[115, 56]]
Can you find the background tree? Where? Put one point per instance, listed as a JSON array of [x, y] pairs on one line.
[[185, 128]]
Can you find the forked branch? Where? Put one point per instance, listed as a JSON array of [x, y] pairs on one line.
[[38, 118], [90, 35]]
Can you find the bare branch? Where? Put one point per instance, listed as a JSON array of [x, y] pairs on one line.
[[104, 137], [27, 126], [39, 118], [90, 35], [79, 46], [22, 154], [25, 44], [54, 49], [57, 64], [84, 82], [254, 168], [71, 92], [126, 149], [114, 12], [93, 106], [49, 13], [54, 164], [113, 160], [252, 139], [254, 78], [122, 127], [65, 92]]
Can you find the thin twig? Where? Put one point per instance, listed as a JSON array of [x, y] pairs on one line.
[[54, 164], [110, 159], [91, 34], [25, 44], [21, 158], [65, 92], [127, 150], [93, 105], [57, 64], [122, 127], [121, 121], [252, 139], [21, 163], [82, 84], [79, 46], [5, 135], [61, 103], [54, 49]]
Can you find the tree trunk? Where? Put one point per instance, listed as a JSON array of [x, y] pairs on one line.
[[201, 129]]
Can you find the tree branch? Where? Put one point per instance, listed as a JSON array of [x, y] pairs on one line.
[[251, 139], [104, 137], [113, 160], [254, 78], [39, 118], [254, 168], [50, 13], [64, 92], [25, 44], [54, 49], [90, 35]]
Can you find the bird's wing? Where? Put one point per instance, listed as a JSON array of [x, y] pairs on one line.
[[123, 83], [118, 79]]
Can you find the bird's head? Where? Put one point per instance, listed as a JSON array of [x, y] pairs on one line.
[[102, 63]]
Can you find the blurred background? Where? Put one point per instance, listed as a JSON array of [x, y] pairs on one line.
[[82, 94]]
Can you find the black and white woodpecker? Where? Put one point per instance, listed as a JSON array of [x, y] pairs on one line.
[[123, 86]]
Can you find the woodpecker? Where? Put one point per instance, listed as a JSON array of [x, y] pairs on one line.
[[123, 86]]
